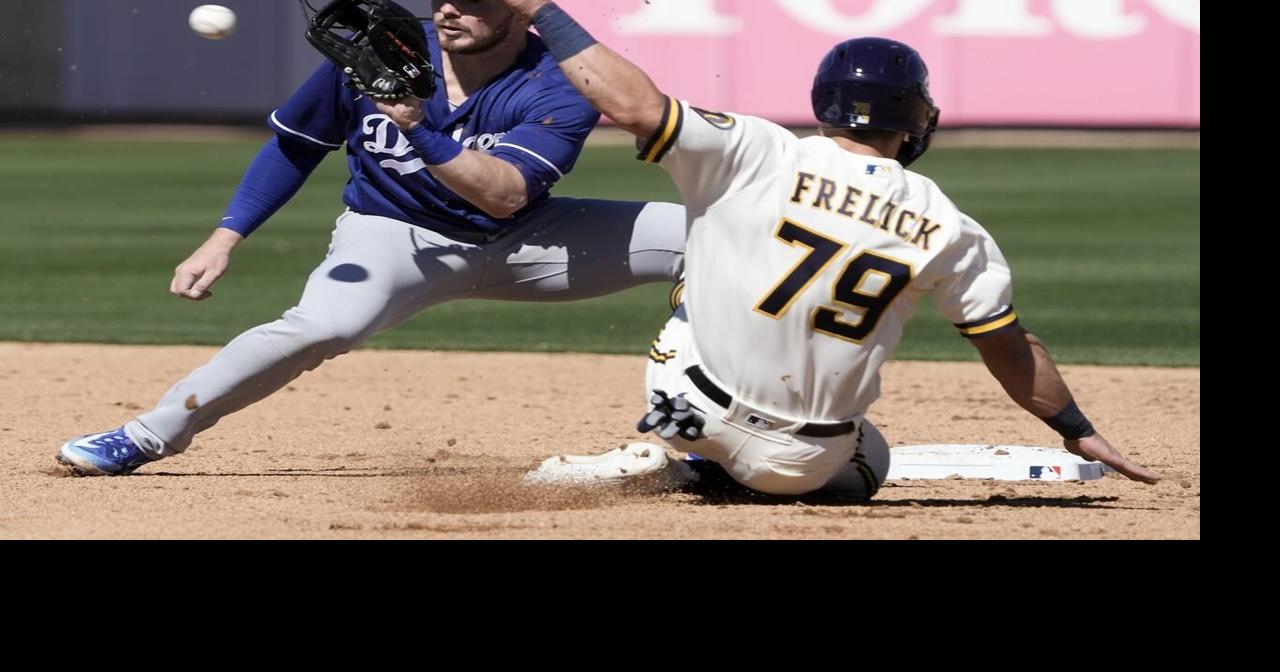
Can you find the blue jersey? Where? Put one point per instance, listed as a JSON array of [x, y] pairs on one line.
[[529, 116]]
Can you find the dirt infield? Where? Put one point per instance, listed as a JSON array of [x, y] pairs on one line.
[[411, 445]]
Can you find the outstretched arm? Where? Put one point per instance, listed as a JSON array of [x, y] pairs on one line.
[[494, 186], [1024, 367], [613, 85]]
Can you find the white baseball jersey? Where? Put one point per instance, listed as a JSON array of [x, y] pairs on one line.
[[804, 261]]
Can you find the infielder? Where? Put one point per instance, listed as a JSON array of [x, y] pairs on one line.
[[805, 260], [448, 199]]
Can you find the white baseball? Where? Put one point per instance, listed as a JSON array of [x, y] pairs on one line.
[[213, 22]]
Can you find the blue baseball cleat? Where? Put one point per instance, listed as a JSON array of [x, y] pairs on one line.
[[110, 453]]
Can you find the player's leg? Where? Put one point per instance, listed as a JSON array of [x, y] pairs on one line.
[[377, 273], [863, 476], [577, 249]]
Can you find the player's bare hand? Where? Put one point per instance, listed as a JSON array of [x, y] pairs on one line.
[[526, 8], [193, 277], [1097, 449], [405, 113]]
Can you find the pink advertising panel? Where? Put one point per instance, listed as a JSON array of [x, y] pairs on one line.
[[992, 62]]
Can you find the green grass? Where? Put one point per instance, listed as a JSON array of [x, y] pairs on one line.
[[1105, 247]]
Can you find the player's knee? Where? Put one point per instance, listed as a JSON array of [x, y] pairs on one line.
[[670, 216], [324, 336], [337, 339], [867, 471], [663, 231]]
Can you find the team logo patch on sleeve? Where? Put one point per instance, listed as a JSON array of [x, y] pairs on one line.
[[718, 119]]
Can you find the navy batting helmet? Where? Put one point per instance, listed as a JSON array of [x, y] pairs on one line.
[[877, 84]]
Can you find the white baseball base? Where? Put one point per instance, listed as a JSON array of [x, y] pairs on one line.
[[1001, 463]]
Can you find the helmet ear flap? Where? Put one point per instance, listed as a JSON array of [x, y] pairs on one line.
[[915, 147]]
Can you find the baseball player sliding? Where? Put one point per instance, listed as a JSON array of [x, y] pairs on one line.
[[805, 260], [455, 129]]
